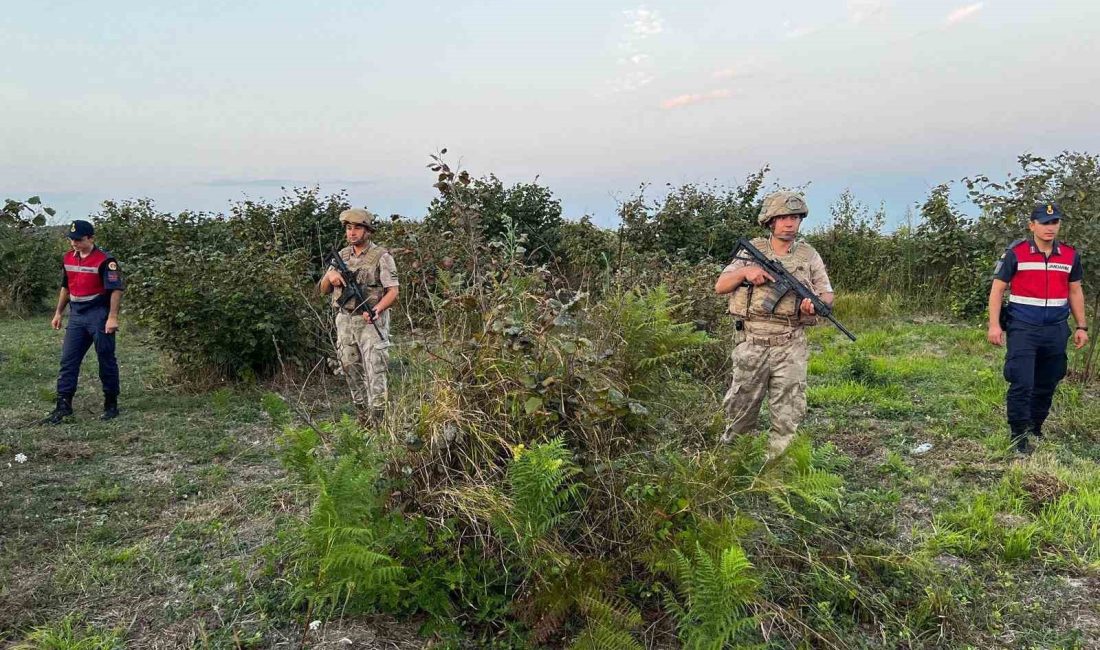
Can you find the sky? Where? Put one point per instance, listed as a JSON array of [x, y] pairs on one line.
[[196, 104]]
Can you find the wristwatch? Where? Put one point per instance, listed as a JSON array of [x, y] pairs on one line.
[[1083, 328]]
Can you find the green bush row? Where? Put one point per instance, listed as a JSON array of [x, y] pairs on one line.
[[237, 287]]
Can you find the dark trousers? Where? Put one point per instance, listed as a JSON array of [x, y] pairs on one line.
[[85, 329], [1034, 364]]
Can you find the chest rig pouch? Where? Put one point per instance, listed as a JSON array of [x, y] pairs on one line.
[[755, 303], [367, 271]]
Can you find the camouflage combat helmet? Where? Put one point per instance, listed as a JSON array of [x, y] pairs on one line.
[[782, 203], [359, 216]]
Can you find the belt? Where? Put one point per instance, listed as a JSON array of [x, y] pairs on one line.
[[769, 341], [792, 321]]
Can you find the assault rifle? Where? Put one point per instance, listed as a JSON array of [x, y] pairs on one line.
[[785, 283], [351, 296]]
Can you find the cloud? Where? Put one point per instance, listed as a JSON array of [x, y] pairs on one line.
[[962, 13], [637, 65], [859, 11], [681, 101], [725, 73], [643, 22]]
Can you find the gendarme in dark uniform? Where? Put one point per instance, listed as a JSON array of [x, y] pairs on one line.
[[91, 286], [1043, 278]]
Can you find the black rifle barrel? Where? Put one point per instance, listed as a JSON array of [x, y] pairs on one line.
[[783, 277]]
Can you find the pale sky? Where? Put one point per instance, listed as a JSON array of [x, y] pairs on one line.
[[198, 103]]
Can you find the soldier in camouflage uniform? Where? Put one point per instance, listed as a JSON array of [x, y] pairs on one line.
[[362, 354], [770, 355]]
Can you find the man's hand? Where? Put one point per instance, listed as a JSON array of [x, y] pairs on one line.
[[807, 307], [56, 322], [334, 278], [366, 316], [112, 325], [1080, 338], [758, 276], [995, 335]]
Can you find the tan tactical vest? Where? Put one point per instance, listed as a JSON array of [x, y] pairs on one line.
[[747, 302], [366, 269]]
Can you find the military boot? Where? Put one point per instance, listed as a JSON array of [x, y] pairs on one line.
[[110, 407], [777, 446], [1019, 436], [63, 410], [370, 417], [1037, 429]]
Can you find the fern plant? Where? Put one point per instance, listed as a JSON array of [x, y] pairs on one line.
[[541, 490], [801, 478], [651, 342], [343, 554], [611, 621], [715, 592]]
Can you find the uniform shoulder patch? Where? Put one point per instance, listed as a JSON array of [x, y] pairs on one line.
[[113, 265]]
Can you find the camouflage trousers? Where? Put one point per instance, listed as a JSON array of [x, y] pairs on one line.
[[363, 357], [774, 367]]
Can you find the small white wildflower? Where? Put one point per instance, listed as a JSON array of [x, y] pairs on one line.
[[313, 625], [20, 458]]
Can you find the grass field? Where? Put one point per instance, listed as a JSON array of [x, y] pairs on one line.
[[155, 528], [163, 528]]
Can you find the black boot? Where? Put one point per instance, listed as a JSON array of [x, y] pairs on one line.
[[63, 410], [1037, 429], [110, 407], [1019, 436]]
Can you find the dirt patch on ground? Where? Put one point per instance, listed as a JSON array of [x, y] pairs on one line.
[[1083, 613], [65, 450], [1044, 488], [373, 633], [857, 444]]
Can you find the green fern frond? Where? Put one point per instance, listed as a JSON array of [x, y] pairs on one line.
[[600, 636], [541, 490], [342, 553], [610, 608], [651, 344], [611, 622], [714, 595]]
